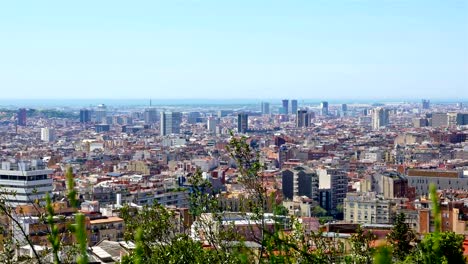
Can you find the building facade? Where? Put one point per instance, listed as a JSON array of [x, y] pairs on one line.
[[170, 123], [242, 122], [367, 208], [24, 182]]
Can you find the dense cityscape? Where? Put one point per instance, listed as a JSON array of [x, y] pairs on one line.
[[333, 168]]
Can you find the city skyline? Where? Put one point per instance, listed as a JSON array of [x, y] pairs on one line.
[[327, 50]]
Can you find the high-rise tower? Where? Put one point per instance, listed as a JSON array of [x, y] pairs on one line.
[[303, 118], [85, 116], [265, 108], [150, 115], [324, 108], [285, 104], [21, 117], [170, 123], [242, 122], [293, 106], [380, 117]]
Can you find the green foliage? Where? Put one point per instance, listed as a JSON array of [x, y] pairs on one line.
[[435, 208], [53, 236], [362, 252], [401, 238], [383, 256], [445, 247], [180, 251], [8, 253], [156, 224], [438, 247], [280, 210], [318, 211], [200, 199], [80, 233], [71, 187]]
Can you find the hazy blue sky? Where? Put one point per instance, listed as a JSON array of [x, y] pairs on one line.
[[234, 49]]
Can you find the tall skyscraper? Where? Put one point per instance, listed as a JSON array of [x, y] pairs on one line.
[[265, 108], [170, 123], [242, 122], [150, 115], [426, 104], [21, 117], [285, 106], [85, 116], [211, 124], [344, 107], [324, 108], [101, 113], [344, 110], [293, 106], [380, 117], [303, 118], [47, 134], [193, 117]]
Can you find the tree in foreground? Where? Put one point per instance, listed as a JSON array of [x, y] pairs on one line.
[[437, 247], [401, 238]]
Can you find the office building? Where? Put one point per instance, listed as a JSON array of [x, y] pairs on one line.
[[150, 115], [265, 108], [380, 117], [293, 107], [324, 108], [420, 122], [170, 123], [102, 128], [211, 124], [300, 181], [439, 120], [426, 104], [85, 116], [333, 186], [193, 117], [24, 182], [21, 117], [47, 134], [285, 105], [101, 113], [303, 118], [242, 122], [344, 108], [421, 179], [223, 113], [457, 119]]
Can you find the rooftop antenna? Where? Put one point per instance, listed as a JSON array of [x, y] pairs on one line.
[[150, 102]]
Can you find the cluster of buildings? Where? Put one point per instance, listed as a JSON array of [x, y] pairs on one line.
[[341, 164]]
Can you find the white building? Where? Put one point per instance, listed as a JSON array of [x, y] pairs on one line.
[[212, 122], [367, 208], [47, 134], [24, 182]]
